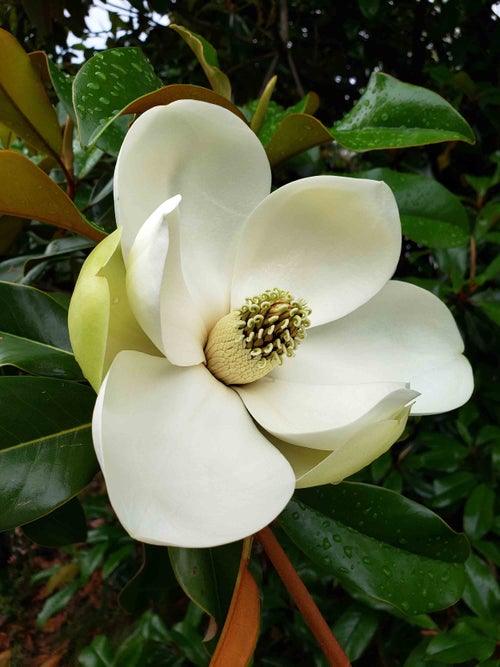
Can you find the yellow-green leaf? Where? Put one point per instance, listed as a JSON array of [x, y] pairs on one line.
[[260, 112], [296, 133], [180, 91], [207, 57], [24, 106], [27, 192]]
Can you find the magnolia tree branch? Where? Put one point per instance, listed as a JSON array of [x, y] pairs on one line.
[[302, 598]]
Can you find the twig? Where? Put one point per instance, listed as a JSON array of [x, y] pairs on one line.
[[302, 598]]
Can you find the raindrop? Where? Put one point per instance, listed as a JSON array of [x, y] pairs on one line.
[[343, 570], [92, 85], [116, 300], [337, 538], [101, 75], [366, 560], [104, 100], [386, 571], [385, 116], [295, 515], [348, 552], [405, 606], [326, 543], [326, 524]]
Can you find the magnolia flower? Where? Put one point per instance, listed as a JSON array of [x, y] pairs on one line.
[[246, 343]]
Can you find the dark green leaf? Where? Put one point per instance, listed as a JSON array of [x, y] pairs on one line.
[[369, 8], [16, 270], [451, 488], [90, 560], [390, 518], [430, 214], [393, 114], [355, 628], [482, 593], [98, 654], [46, 452], [105, 85], [479, 512], [154, 580], [65, 525], [56, 602], [489, 302], [409, 582], [462, 643], [63, 85], [208, 576], [37, 358]]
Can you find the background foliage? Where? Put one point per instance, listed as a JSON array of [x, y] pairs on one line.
[[449, 198]]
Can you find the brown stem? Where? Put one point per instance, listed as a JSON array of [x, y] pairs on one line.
[[302, 598], [472, 258]]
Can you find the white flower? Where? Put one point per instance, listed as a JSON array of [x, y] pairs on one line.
[[189, 460]]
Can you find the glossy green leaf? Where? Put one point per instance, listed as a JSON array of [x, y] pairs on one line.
[[22, 268], [207, 57], [28, 192], [355, 628], [430, 214], [65, 525], [393, 114], [464, 642], [34, 333], [37, 357], [482, 592], [208, 576], [104, 86], [390, 518], [452, 488], [98, 654], [46, 452], [489, 302], [383, 567], [24, 105], [479, 511], [56, 602], [63, 85]]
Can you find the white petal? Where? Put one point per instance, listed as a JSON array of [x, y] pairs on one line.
[[321, 416], [332, 241], [314, 467], [404, 334], [183, 461], [145, 267], [184, 333], [209, 156]]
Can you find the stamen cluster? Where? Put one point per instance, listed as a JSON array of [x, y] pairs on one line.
[[273, 324], [249, 342]]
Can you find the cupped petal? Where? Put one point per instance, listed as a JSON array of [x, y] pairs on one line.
[[330, 240], [183, 462], [157, 290], [145, 268], [314, 467], [321, 416], [209, 156], [404, 334], [100, 319]]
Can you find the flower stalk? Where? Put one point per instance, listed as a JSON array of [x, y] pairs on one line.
[[302, 598]]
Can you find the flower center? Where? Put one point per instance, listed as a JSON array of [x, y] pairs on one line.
[[249, 342]]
